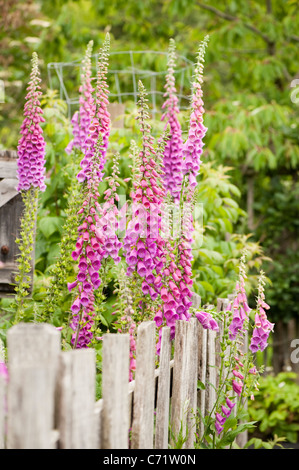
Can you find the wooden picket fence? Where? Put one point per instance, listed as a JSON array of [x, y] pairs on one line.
[[49, 399]]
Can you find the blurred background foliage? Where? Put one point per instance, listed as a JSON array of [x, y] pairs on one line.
[[249, 179]]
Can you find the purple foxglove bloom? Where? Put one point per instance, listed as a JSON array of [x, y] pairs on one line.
[[229, 403], [221, 419], [218, 426], [237, 387], [226, 411], [31, 146]]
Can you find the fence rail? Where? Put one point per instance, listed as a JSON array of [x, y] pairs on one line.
[[49, 400]]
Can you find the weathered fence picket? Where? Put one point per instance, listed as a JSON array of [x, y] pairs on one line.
[[75, 417], [11, 209], [49, 401], [163, 396], [33, 356], [183, 403], [115, 391], [144, 393]]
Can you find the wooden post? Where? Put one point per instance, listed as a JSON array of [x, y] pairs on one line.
[[11, 208], [163, 399], [115, 387], [196, 300], [76, 400], [202, 370], [144, 393], [184, 390], [33, 355]]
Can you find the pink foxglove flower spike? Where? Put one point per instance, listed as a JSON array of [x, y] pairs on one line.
[[31, 146]]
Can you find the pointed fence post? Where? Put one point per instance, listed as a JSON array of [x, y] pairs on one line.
[[144, 393], [76, 400], [115, 391], [33, 355], [163, 399], [184, 389]]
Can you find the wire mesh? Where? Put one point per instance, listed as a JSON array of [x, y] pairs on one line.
[[125, 69]]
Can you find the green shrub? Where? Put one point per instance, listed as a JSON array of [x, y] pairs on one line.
[[276, 406]]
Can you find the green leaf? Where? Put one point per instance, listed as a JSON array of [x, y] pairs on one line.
[[49, 225]]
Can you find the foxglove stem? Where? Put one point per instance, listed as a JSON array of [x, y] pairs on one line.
[[26, 248], [63, 267]]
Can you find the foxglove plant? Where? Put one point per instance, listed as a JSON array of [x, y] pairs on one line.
[[31, 146], [239, 306], [176, 275], [193, 146], [262, 326], [100, 120], [81, 119], [173, 156], [107, 225], [143, 245], [89, 252], [126, 323], [31, 180], [238, 375]]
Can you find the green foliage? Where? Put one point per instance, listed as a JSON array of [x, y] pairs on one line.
[[276, 406]]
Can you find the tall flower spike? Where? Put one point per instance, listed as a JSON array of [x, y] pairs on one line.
[[81, 120], [239, 306], [173, 154], [89, 252], [31, 146], [262, 327], [143, 244], [100, 122], [193, 146]]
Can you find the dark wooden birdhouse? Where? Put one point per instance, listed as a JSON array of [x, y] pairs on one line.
[[11, 209]]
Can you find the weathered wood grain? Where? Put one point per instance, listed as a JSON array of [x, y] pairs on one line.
[[202, 370], [196, 300], [184, 389], [7, 190], [115, 387], [33, 355], [75, 411], [144, 393], [163, 399]]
